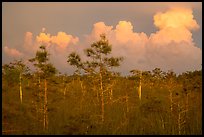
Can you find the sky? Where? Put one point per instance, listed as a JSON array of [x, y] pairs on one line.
[[166, 35]]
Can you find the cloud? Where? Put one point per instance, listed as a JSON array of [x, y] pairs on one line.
[[12, 52], [63, 40], [176, 18], [98, 28], [167, 35], [59, 46], [171, 47], [44, 38], [28, 41], [60, 41], [29, 44]]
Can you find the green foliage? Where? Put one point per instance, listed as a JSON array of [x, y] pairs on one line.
[[74, 102], [195, 78], [74, 60], [75, 114], [11, 71], [49, 70], [10, 74], [98, 54], [41, 62]]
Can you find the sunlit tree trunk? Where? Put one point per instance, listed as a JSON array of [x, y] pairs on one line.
[[97, 92], [39, 83], [127, 105], [45, 107], [65, 87], [140, 87], [21, 92], [111, 94], [179, 119], [102, 97], [83, 93], [111, 90], [171, 100]]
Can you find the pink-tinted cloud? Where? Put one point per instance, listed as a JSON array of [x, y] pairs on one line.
[[167, 35], [29, 44], [58, 46], [171, 47], [176, 18], [63, 40], [12, 52], [28, 39], [44, 38], [98, 28]]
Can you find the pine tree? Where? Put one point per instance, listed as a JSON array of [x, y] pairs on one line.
[[16, 69], [99, 64], [45, 70], [138, 74]]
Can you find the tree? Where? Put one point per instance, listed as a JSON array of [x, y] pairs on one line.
[[45, 70], [99, 64], [138, 74], [170, 80], [16, 69], [158, 76]]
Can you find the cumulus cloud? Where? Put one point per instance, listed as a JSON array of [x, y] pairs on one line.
[[44, 38], [98, 28], [29, 43], [63, 40], [60, 41], [59, 46], [176, 18], [171, 47], [12, 52]]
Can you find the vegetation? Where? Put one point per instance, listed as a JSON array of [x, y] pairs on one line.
[[96, 100]]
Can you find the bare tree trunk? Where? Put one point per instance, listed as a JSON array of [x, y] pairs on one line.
[[179, 118], [127, 105], [82, 88], [21, 92], [83, 93], [45, 107], [111, 94], [97, 94], [65, 87], [162, 122], [140, 88], [171, 100], [102, 98], [39, 83]]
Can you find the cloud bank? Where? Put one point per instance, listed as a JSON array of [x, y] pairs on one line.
[[12, 52], [171, 47]]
